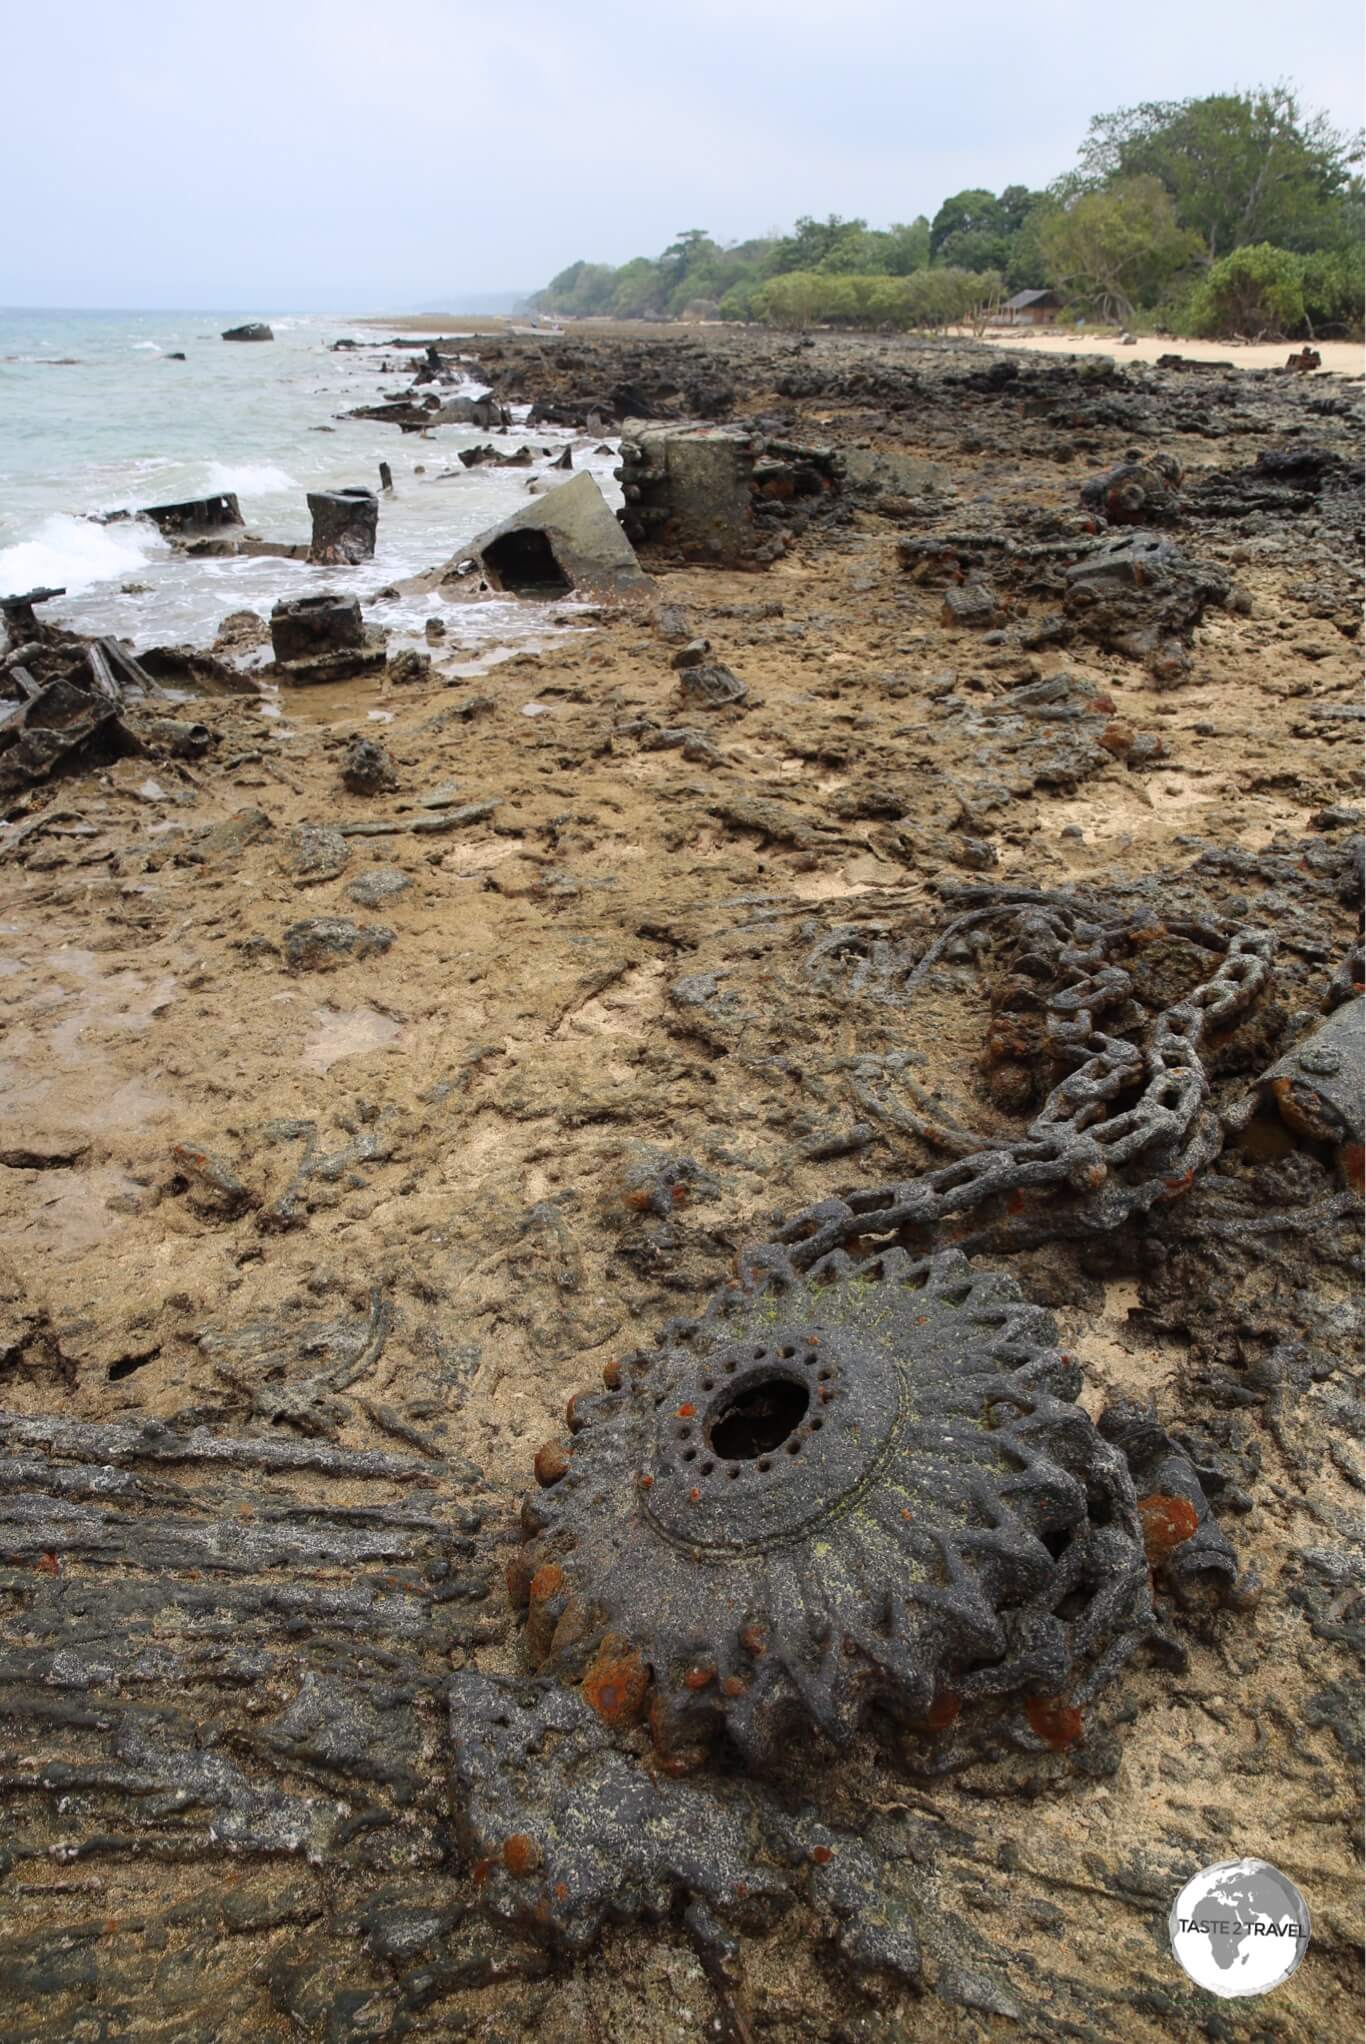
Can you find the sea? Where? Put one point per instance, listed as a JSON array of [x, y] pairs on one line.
[[96, 416]]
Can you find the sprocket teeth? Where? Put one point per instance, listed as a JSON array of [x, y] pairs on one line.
[[834, 1496]]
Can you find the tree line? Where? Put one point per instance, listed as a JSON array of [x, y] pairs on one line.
[[1235, 214]]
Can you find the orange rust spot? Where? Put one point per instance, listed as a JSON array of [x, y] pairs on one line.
[[1352, 1157], [639, 1202], [678, 1194], [906, 1513], [48, 1565], [521, 1855], [552, 1459], [482, 1869], [734, 1685], [686, 1412], [571, 1420], [561, 1891], [1057, 1723], [645, 1482], [699, 1677], [1174, 1187], [694, 1497], [821, 1854], [675, 1765], [943, 1712], [617, 1682], [546, 1581], [754, 1639], [1015, 1204], [1166, 1521]]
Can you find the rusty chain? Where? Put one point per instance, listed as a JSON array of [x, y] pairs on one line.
[[1115, 1161]]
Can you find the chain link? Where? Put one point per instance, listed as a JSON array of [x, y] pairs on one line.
[[1113, 1162]]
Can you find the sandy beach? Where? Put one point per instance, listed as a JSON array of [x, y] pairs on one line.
[[1341, 358]]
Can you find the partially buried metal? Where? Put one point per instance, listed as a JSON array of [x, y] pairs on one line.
[[863, 1492]]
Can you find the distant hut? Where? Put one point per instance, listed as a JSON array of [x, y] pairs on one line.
[[1032, 308]]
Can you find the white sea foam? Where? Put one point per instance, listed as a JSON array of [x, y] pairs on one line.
[[249, 479], [72, 554], [155, 346]]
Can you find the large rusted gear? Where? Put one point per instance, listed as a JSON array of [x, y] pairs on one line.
[[856, 1492]]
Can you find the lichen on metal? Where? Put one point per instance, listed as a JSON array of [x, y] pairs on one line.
[[861, 1492]]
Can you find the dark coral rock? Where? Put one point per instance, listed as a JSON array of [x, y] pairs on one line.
[[862, 1492], [567, 1832], [367, 768]]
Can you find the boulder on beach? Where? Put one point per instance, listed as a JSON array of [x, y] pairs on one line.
[[254, 330], [569, 539]]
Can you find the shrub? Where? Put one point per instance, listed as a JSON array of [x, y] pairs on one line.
[[1255, 291], [1334, 293], [925, 298]]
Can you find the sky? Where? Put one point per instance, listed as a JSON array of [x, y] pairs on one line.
[[335, 155]]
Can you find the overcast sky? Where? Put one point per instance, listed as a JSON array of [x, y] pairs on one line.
[[350, 156]]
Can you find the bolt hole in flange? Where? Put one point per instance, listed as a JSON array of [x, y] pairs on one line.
[[758, 1419]]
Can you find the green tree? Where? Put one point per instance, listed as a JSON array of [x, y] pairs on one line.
[[812, 242], [974, 230], [907, 246], [1025, 267], [790, 299], [1253, 291], [1114, 249], [635, 288], [967, 213], [1240, 167], [1334, 293]]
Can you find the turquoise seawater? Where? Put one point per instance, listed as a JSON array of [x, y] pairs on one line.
[[96, 417]]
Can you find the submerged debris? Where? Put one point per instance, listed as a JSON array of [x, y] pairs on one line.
[[344, 526]]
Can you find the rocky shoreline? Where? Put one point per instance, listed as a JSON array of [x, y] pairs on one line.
[[964, 759]]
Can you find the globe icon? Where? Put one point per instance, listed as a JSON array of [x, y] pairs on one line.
[[1239, 1928]]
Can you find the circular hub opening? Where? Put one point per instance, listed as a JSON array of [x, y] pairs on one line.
[[758, 1419]]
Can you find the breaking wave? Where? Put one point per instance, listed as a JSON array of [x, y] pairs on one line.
[[249, 479], [72, 554]]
